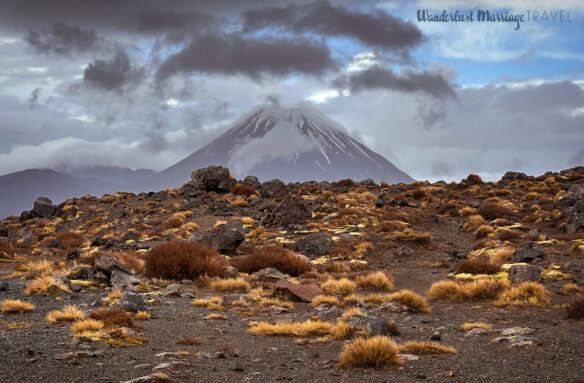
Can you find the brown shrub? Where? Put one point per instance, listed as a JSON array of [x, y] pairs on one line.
[[173, 223], [389, 226], [184, 260], [189, 341], [473, 179], [575, 310], [335, 266], [70, 239], [130, 260], [419, 193], [485, 242], [7, 248], [272, 256], [240, 189], [509, 235], [477, 265], [343, 248], [404, 214], [112, 317], [346, 182], [492, 210]]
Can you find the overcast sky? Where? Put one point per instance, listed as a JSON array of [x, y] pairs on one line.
[[144, 84]]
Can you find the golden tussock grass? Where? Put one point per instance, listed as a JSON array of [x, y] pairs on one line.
[[483, 231], [239, 202], [143, 315], [82, 326], [352, 311], [377, 351], [326, 299], [341, 286], [390, 226], [189, 226], [247, 220], [377, 280], [475, 290], [259, 293], [214, 316], [212, 303], [68, 314], [113, 296], [469, 326], [411, 299], [42, 267], [425, 348], [526, 294], [45, 285], [572, 288], [467, 210], [14, 306], [267, 302], [308, 328], [255, 233], [410, 236], [473, 222], [230, 284], [361, 249]]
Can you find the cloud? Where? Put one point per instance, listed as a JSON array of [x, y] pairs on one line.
[[234, 54], [376, 28], [63, 39], [112, 74], [434, 84]]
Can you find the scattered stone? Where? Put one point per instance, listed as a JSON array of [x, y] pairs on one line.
[[331, 315], [225, 238], [268, 274], [4, 285], [130, 235], [516, 331], [188, 294], [409, 357], [379, 202], [304, 292], [405, 251], [152, 378], [301, 341], [130, 301], [3, 230], [372, 325], [116, 215], [528, 252], [524, 273], [230, 272], [144, 366], [213, 178], [291, 210], [122, 281], [389, 307], [107, 264], [172, 290], [436, 336], [236, 367], [171, 366], [476, 331], [84, 273], [43, 207], [315, 245]]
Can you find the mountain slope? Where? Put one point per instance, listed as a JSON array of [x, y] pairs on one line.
[[19, 190], [293, 144]]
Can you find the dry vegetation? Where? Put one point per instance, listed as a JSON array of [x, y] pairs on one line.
[[182, 259]]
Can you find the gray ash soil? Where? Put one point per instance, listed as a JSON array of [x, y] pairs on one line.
[[42, 352]]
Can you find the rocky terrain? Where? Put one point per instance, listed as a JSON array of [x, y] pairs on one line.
[[223, 280]]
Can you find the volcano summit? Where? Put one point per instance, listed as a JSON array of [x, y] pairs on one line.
[[293, 144]]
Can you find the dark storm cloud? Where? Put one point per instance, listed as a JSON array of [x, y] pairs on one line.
[[376, 29], [34, 97], [433, 84], [112, 74], [234, 54], [63, 39]]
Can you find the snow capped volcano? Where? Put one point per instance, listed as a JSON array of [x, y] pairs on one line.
[[290, 143]]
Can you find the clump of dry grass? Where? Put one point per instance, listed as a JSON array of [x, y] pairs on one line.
[[473, 222], [40, 268], [483, 231], [411, 299], [243, 190], [130, 260], [183, 259], [326, 299], [189, 341], [492, 210], [267, 302], [377, 351], [526, 294], [341, 286], [112, 317], [13, 306], [389, 226], [230, 284], [69, 314], [71, 239], [375, 280], [307, 328], [477, 265], [575, 310], [425, 348], [79, 327], [572, 288], [214, 316], [410, 236], [143, 315], [239, 202], [212, 303], [469, 326], [475, 290], [272, 256], [45, 285]]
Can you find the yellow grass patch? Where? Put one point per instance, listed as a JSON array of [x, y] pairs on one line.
[[69, 314], [526, 294], [214, 316], [378, 351], [213, 303], [14, 306], [326, 299], [143, 315], [230, 284], [469, 326], [307, 328], [425, 348], [86, 325], [408, 235], [341, 286], [572, 288], [377, 280], [45, 285], [461, 291], [473, 222], [410, 299]]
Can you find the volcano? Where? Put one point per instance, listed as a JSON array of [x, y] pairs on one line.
[[290, 143]]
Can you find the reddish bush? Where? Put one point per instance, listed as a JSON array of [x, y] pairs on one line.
[[473, 179], [509, 235], [272, 256], [184, 260], [575, 310], [113, 317], [173, 223], [492, 210], [70, 239], [346, 182], [477, 265], [6, 248], [240, 189]]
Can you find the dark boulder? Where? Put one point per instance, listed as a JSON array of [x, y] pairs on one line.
[[225, 238], [213, 178], [291, 211], [528, 252], [43, 207], [315, 244]]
